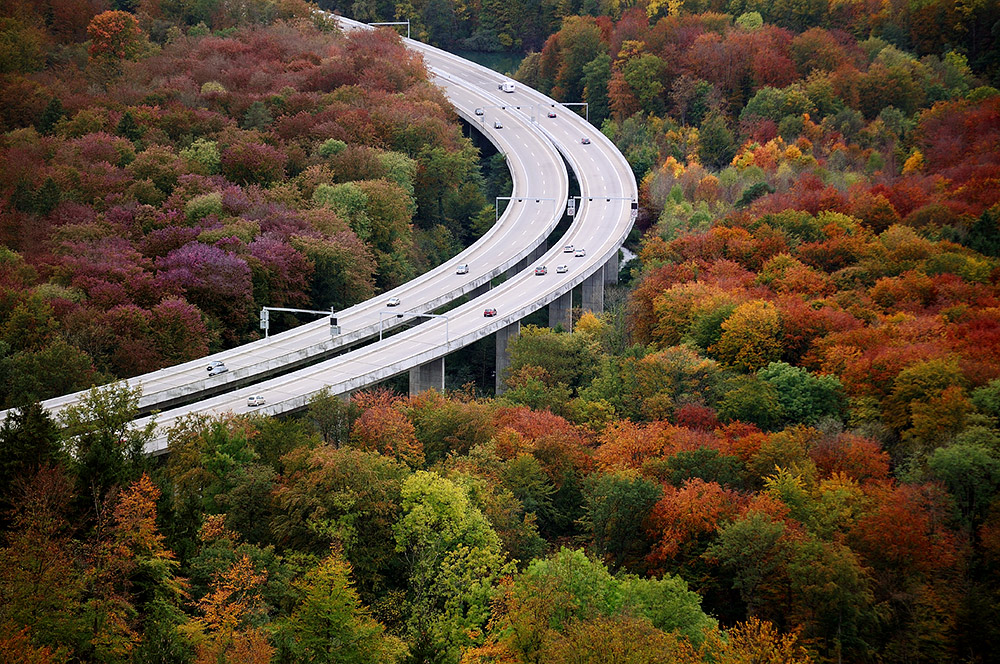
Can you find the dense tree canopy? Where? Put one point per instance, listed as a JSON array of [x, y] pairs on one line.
[[783, 447]]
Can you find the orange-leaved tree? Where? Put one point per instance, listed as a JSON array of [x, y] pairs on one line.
[[115, 35], [228, 632]]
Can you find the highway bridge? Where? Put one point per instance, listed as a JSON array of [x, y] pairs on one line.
[[288, 369]]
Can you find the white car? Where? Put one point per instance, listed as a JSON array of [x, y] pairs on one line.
[[392, 302], [217, 368], [568, 249], [462, 269], [479, 111], [560, 269], [498, 125], [255, 401], [580, 253]]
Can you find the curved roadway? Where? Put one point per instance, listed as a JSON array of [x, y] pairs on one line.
[[604, 219], [539, 178]]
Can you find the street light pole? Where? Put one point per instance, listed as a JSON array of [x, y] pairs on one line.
[[519, 199], [586, 107], [406, 23], [265, 318]]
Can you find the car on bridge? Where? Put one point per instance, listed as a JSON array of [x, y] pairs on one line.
[[561, 269], [490, 313], [552, 114], [498, 125], [541, 271], [580, 253], [585, 141], [462, 269], [216, 368], [393, 302], [255, 401]]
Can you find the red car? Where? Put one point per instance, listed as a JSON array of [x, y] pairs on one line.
[[552, 114], [490, 313]]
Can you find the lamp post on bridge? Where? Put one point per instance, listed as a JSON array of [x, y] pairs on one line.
[[519, 199], [265, 318], [406, 23]]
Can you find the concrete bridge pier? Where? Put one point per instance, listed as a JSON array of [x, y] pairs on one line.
[[504, 336], [535, 254], [561, 312], [519, 267], [611, 269], [593, 292], [429, 376], [480, 290], [539, 251]]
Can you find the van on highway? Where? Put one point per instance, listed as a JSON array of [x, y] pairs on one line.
[[506, 86]]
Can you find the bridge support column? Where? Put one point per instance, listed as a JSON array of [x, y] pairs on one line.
[[561, 312], [535, 254], [428, 376], [593, 292], [539, 251], [519, 267], [611, 270], [504, 336], [480, 290]]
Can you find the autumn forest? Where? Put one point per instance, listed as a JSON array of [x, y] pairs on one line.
[[779, 443]]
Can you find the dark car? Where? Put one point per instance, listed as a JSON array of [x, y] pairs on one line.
[[490, 313], [552, 114]]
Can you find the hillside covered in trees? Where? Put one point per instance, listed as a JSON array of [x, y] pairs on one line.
[[783, 445], [157, 195]]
